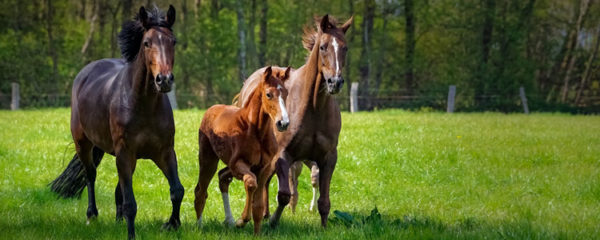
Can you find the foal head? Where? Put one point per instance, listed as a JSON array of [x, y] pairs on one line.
[[332, 50], [273, 96], [149, 38]]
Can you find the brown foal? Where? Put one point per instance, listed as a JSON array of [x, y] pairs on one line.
[[244, 139]]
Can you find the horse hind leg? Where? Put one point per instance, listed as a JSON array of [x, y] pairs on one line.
[[314, 180], [208, 162], [88, 154], [225, 178], [294, 173]]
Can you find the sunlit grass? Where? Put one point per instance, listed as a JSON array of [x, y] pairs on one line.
[[431, 175]]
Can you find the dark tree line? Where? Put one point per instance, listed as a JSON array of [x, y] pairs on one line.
[[404, 51]]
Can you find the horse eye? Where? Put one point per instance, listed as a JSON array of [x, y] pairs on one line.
[[174, 42], [269, 95], [322, 47], [146, 44]]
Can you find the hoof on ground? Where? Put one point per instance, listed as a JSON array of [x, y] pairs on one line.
[[171, 225], [240, 223], [229, 223]]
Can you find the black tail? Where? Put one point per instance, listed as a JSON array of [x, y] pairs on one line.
[[71, 182]]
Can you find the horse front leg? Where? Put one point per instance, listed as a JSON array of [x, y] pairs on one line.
[[125, 164], [314, 181], [225, 178], [168, 165], [282, 167], [326, 166], [258, 205], [295, 171], [250, 184]]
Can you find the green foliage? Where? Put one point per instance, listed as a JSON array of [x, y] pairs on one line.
[[430, 175]]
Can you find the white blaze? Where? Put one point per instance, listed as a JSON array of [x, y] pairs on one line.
[[284, 114], [337, 62]]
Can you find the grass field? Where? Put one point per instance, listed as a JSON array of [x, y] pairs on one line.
[[430, 175]]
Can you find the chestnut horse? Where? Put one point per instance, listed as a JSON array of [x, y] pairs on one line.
[[313, 135], [119, 106], [244, 139]]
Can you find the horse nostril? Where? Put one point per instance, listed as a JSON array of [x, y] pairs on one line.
[[159, 79], [171, 77]]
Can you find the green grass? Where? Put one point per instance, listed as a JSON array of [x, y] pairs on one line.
[[431, 175]]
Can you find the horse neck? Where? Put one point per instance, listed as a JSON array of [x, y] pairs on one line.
[[259, 120], [141, 84], [308, 80]]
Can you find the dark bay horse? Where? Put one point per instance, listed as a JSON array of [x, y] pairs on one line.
[[244, 139], [119, 106], [313, 135]]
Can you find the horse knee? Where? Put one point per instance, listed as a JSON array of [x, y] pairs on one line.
[[130, 210], [177, 193], [250, 183], [324, 206], [283, 198]]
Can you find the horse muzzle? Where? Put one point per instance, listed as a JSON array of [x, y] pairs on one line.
[[282, 125], [164, 82], [334, 85]]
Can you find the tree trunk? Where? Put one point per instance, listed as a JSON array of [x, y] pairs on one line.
[[364, 68], [197, 4], [242, 37], [113, 30], [51, 48], [350, 38], [184, 45], [382, 45], [126, 13], [583, 9], [262, 44], [252, 58], [489, 14], [409, 46], [588, 67]]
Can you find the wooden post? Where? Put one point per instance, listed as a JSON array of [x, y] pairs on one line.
[[524, 100], [451, 95], [354, 97], [172, 98], [14, 104]]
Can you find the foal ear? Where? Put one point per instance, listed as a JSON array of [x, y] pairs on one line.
[[267, 73], [171, 16], [324, 25], [347, 24], [143, 17], [286, 75]]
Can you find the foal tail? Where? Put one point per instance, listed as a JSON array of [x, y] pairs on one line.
[[72, 180]]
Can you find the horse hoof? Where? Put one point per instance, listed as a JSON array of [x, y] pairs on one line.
[[273, 223], [199, 222], [90, 219], [240, 223], [170, 226], [229, 222]]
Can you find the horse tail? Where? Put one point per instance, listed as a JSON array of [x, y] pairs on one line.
[[72, 180]]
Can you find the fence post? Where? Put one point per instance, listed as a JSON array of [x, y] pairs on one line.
[[172, 99], [14, 103], [524, 100], [354, 97], [451, 95]]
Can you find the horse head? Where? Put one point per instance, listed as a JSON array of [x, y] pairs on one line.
[[274, 95]]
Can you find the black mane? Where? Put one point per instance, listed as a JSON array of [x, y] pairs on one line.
[[130, 37]]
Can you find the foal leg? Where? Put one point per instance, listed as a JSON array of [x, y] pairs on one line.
[[125, 164], [168, 165], [225, 178], [314, 181], [258, 205], [295, 171], [326, 166], [250, 185], [208, 163], [283, 195]]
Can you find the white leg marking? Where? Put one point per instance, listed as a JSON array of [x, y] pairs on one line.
[[229, 221], [314, 199], [199, 222]]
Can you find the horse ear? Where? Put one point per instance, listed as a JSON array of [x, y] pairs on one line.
[[267, 73], [286, 75], [347, 24], [143, 17], [171, 16], [324, 25]]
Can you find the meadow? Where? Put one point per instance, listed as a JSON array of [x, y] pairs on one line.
[[429, 175]]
